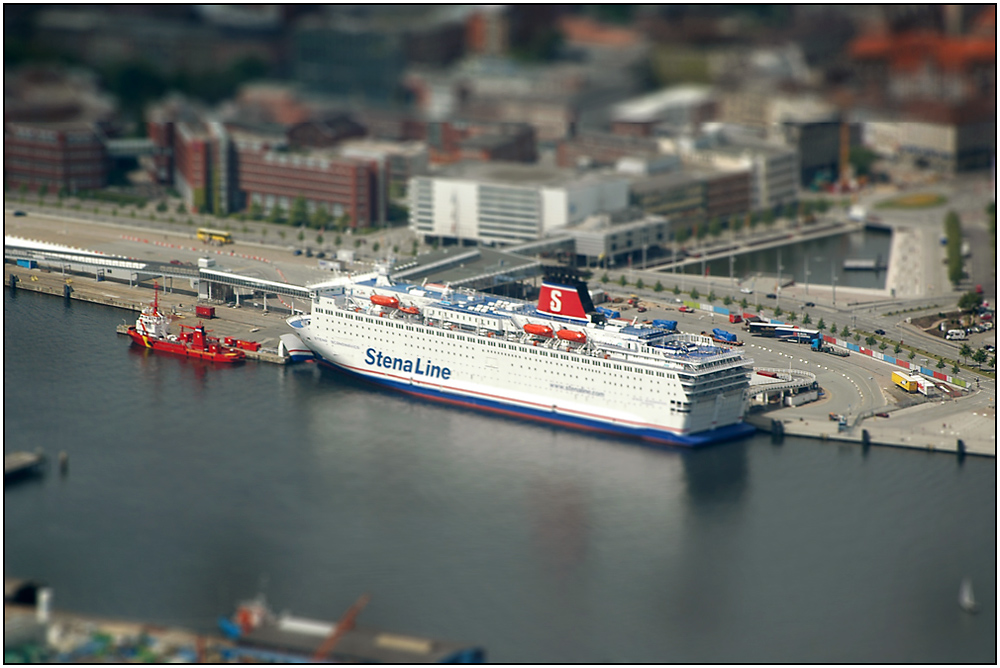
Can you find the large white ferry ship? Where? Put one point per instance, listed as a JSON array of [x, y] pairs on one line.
[[559, 361]]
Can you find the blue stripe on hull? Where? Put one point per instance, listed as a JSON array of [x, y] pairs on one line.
[[727, 433]]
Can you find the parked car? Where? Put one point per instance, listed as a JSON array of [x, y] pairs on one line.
[[771, 295], [882, 415], [990, 348], [880, 332], [641, 309], [746, 291], [175, 262], [296, 252], [810, 304], [20, 213], [686, 309]]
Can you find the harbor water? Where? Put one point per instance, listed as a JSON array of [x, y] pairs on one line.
[[191, 487], [819, 257]]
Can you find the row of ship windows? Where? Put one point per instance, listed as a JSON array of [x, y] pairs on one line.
[[481, 341]]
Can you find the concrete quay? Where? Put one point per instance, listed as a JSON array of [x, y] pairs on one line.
[[934, 427], [248, 324]]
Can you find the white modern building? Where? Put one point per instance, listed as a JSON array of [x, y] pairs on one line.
[[507, 203]]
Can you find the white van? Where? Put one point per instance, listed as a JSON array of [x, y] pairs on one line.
[[955, 335]]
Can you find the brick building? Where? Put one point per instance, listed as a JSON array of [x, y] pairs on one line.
[[192, 152], [341, 185], [68, 156], [324, 133]]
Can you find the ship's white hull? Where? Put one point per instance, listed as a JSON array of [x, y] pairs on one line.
[[596, 393]]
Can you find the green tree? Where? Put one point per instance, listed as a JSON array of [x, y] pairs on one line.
[[701, 229], [896, 348], [677, 290], [682, 235], [299, 215], [357, 243], [320, 217], [777, 311], [319, 239], [767, 217], [845, 332], [744, 303], [870, 340], [727, 300], [43, 190], [621, 281], [979, 357], [263, 230], [821, 325], [417, 243], [912, 354], [180, 209], [301, 236], [882, 346], [282, 234], [806, 319], [965, 351], [715, 226], [861, 159], [161, 207], [790, 210], [940, 363], [375, 247], [953, 237], [639, 285], [791, 316], [954, 368], [658, 287], [277, 215], [969, 301], [857, 337], [822, 205], [694, 293], [712, 296], [605, 278], [993, 362]]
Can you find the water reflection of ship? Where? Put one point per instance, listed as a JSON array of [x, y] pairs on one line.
[[560, 523], [701, 596]]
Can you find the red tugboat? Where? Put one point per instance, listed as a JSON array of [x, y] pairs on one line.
[[150, 331]]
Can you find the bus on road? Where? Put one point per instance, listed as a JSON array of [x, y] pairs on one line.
[[214, 236]]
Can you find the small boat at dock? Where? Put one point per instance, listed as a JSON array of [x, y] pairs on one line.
[[151, 330]]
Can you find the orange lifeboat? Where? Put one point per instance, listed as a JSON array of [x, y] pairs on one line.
[[412, 310], [538, 330], [383, 300], [572, 335]]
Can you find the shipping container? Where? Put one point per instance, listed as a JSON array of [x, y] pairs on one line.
[[205, 311], [27, 264], [735, 317]]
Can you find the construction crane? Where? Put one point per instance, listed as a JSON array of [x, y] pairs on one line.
[[345, 624]]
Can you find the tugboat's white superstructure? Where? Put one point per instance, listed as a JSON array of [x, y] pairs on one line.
[[558, 361]]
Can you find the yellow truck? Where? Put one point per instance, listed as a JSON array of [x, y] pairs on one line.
[[905, 381]]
